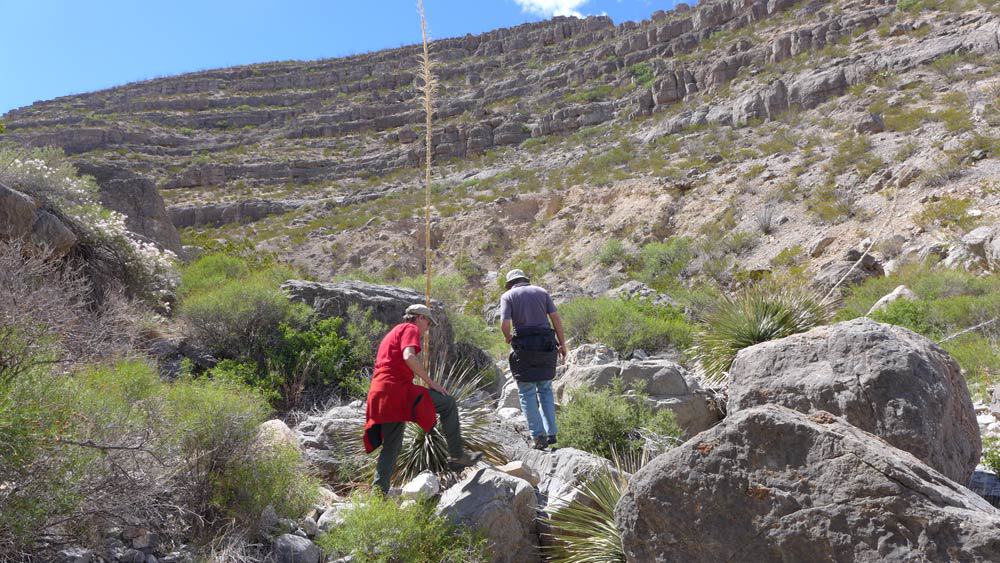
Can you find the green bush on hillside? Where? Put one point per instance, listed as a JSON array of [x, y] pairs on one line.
[[661, 264], [607, 421], [105, 439], [625, 324], [377, 529]]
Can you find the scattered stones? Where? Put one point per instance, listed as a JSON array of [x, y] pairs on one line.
[[275, 433], [773, 484], [881, 378]]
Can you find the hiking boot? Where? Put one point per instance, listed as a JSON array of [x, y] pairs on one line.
[[467, 460], [552, 439], [541, 442]]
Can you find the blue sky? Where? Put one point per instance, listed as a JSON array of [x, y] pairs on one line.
[[51, 48]]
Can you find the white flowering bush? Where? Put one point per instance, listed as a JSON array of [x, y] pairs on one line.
[[47, 174]]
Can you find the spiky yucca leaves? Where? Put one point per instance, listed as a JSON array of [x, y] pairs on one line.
[[423, 451], [429, 451], [584, 529], [763, 312]]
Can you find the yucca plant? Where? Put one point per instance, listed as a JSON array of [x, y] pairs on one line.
[[428, 451], [584, 529], [763, 312]]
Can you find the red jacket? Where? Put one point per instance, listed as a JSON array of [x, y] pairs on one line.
[[391, 399]]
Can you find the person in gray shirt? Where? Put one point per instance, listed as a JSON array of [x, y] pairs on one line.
[[537, 343]]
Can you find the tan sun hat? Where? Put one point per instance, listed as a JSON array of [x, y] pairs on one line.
[[422, 310], [517, 274]]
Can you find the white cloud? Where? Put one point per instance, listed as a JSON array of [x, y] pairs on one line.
[[549, 8]]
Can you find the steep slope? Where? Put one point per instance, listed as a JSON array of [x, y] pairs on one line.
[[760, 128]]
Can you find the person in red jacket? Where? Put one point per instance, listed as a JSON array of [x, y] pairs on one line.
[[394, 400]]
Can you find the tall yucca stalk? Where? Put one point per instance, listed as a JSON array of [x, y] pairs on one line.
[[756, 314], [584, 529], [428, 451], [427, 89]]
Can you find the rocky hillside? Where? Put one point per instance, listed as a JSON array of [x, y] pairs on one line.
[[775, 132]]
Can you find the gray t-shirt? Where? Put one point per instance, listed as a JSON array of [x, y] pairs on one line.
[[527, 306]]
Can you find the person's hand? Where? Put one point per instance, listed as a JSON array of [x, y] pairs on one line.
[[507, 338], [439, 388], [562, 352]]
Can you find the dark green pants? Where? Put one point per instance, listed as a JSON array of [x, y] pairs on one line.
[[392, 438]]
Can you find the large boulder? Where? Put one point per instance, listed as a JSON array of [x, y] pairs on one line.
[[883, 379], [21, 218], [502, 508], [137, 198], [289, 548], [17, 213], [773, 484], [385, 303]]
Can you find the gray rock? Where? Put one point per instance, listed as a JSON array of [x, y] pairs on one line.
[[290, 548], [819, 245], [74, 555], [50, 233], [138, 199], [561, 471], [883, 379], [901, 292], [386, 304], [850, 271], [773, 484], [217, 214], [425, 485], [500, 506], [977, 239], [17, 213], [637, 290], [987, 485], [870, 123], [332, 517], [320, 437], [591, 355]]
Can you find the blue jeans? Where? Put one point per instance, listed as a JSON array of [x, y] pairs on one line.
[[540, 422]]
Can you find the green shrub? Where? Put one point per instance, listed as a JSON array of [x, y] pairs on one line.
[[625, 325], [612, 252], [788, 257], [991, 453], [607, 421], [914, 315], [116, 440], [759, 313], [947, 212], [240, 318], [376, 529], [831, 204], [662, 263], [642, 74]]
